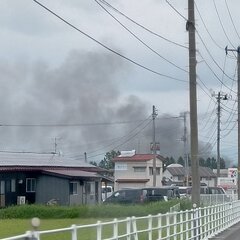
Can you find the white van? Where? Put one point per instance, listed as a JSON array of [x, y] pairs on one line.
[[107, 191]]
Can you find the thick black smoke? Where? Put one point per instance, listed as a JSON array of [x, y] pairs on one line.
[[71, 102]]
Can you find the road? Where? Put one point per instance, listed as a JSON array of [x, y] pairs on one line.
[[232, 233]]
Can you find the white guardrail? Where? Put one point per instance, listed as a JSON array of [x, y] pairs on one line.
[[197, 224]]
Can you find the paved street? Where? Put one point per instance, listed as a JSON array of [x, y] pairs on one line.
[[233, 233]]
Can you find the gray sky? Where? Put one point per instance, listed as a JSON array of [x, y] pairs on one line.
[[52, 74]]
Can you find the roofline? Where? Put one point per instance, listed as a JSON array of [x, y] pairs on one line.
[[132, 180]]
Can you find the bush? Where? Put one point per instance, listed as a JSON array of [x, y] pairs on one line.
[[86, 211]]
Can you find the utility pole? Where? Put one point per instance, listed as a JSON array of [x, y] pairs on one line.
[[238, 94], [220, 96], [184, 139], [190, 26], [154, 114]]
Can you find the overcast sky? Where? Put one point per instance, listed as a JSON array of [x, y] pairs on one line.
[[62, 83]]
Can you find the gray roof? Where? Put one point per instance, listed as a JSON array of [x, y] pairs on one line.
[[73, 173], [180, 171], [40, 160]]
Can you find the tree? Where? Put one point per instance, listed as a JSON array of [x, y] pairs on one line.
[[202, 162], [181, 161], [107, 162], [222, 163], [93, 163]]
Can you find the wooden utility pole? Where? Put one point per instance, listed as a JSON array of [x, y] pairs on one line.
[[154, 114], [185, 148], [220, 96], [193, 104], [238, 100]]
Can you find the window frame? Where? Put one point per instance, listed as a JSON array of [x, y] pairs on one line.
[[31, 185], [73, 188]]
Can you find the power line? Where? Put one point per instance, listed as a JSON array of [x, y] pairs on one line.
[[230, 15], [176, 10], [106, 47], [217, 66], [219, 18], [140, 25], [126, 141], [214, 41], [140, 40], [70, 124]]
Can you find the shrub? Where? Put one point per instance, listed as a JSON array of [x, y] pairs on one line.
[[89, 211]]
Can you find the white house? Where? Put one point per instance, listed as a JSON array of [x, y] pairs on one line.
[[176, 173], [136, 170]]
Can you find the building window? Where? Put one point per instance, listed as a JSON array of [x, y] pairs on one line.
[[2, 187], [13, 185], [157, 171], [31, 185], [73, 188], [139, 169]]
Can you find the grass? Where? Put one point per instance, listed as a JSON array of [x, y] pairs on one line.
[[15, 220]]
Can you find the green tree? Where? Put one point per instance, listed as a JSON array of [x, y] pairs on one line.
[[107, 162], [169, 161], [181, 161], [202, 162], [93, 163], [222, 163]]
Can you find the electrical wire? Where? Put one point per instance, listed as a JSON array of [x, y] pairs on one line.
[[121, 144], [230, 15], [106, 47], [143, 27], [70, 124], [216, 76], [140, 40], [210, 35], [220, 21], [176, 10]]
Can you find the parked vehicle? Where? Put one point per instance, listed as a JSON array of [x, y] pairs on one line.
[[107, 191], [185, 192], [170, 192], [143, 195], [127, 196], [216, 190]]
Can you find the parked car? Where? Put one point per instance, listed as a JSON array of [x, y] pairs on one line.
[[185, 192], [216, 190], [107, 191], [127, 196], [170, 192], [143, 195]]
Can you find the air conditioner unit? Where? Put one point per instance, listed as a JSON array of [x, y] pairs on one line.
[[21, 200]]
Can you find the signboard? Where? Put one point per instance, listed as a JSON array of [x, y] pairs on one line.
[[229, 184], [232, 172]]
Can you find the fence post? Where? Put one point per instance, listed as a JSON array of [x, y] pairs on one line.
[[34, 235], [159, 226], [128, 228], [181, 224], [134, 228], [168, 224], [99, 230], [74, 232], [115, 228], [195, 220], [149, 227]]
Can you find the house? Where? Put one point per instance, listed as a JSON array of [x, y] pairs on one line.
[[48, 178], [176, 174], [136, 170]]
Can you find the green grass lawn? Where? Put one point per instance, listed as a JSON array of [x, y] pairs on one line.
[[12, 227], [16, 220]]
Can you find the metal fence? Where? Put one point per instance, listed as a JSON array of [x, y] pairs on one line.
[[214, 199], [198, 223]]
